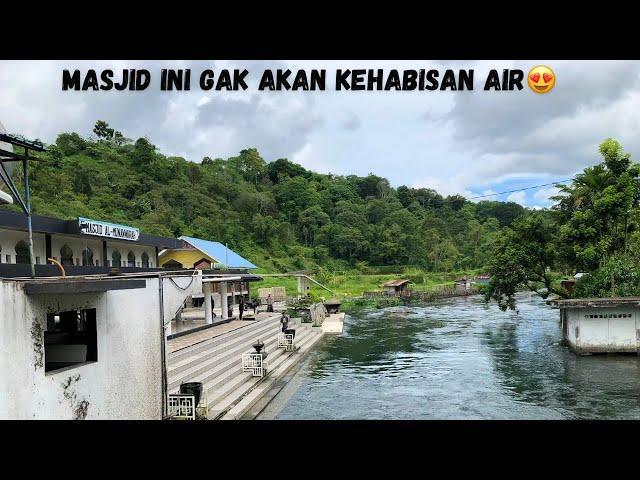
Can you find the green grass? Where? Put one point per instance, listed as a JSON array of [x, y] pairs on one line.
[[351, 305], [353, 283]]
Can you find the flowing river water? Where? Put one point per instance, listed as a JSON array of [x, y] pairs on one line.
[[460, 359]]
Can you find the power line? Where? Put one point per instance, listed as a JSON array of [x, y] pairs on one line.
[[520, 189]]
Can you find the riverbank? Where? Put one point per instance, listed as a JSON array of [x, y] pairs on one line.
[[353, 283], [280, 392]]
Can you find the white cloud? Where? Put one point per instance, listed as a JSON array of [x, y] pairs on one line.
[[544, 193], [485, 195], [557, 133], [454, 142], [518, 197], [444, 187]]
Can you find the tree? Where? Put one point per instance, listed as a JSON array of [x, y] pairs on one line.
[[597, 208], [405, 195], [390, 246], [350, 214], [120, 139], [310, 221], [102, 130], [588, 230], [294, 195], [281, 169], [504, 212], [524, 257], [70, 143], [144, 153], [82, 180], [371, 186], [455, 202], [508, 273], [349, 242], [619, 276], [442, 253], [107, 134], [250, 165], [377, 211]]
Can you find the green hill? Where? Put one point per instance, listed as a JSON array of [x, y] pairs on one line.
[[278, 214]]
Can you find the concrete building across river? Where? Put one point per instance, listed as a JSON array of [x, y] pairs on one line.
[[601, 325]]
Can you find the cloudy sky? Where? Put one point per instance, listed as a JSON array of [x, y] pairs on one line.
[[471, 143]]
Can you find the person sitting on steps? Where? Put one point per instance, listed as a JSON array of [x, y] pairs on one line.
[[284, 322]]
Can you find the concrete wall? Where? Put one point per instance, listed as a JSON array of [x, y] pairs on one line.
[[125, 382], [609, 329]]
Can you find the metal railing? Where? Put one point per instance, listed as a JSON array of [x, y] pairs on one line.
[[254, 363], [182, 406]]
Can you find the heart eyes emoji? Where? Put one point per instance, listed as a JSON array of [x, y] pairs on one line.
[[541, 79]]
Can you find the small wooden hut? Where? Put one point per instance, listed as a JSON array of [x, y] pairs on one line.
[[396, 287]]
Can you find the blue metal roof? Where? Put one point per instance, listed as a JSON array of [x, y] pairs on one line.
[[219, 252]]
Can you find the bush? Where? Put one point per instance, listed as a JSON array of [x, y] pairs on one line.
[[624, 272], [70, 143]]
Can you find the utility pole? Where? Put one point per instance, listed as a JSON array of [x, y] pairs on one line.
[[27, 198], [8, 155]]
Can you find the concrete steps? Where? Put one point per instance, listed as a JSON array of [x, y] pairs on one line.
[[227, 390], [249, 399], [175, 357], [217, 363], [211, 359], [238, 385], [215, 372]]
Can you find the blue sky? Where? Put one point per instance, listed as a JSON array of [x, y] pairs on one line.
[[468, 143]]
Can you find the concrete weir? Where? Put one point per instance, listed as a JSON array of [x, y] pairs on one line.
[[334, 323], [216, 362]]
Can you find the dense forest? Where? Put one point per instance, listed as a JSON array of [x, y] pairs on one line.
[[277, 213], [286, 218]]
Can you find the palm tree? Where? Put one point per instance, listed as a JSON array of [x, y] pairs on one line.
[[584, 189]]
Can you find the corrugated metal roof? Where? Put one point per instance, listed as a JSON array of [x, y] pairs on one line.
[[394, 283], [219, 252]]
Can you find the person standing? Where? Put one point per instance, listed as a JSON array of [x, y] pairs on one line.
[[270, 303], [241, 306]]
